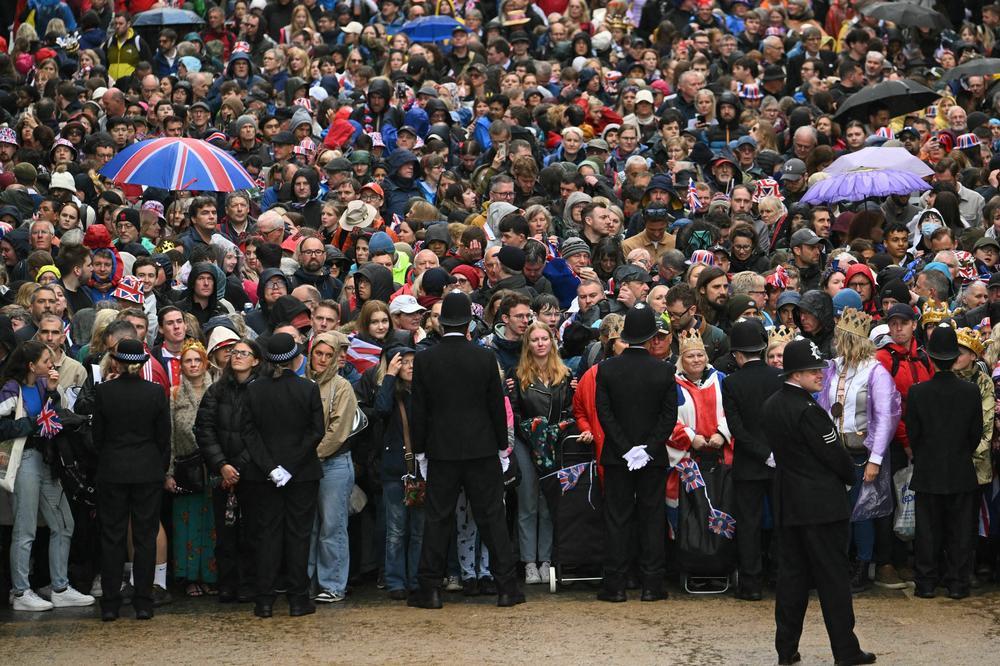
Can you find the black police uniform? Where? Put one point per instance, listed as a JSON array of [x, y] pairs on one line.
[[812, 514]]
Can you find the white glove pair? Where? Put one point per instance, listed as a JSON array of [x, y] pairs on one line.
[[422, 464], [280, 476], [637, 458]]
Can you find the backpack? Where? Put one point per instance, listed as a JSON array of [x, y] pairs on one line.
[[921, 358]]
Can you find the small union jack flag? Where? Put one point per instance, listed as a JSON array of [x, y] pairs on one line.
[[397, 222], [690, 475], [570, 476], [49, 420], [694, 203], [722, 523], [241, 47]]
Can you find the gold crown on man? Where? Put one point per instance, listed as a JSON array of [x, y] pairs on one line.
[[615, 16], [934, 312], [690, 340], [855, 322], [972, 339], [781, 334]]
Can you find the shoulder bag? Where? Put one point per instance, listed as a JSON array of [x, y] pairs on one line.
[[414, 486]]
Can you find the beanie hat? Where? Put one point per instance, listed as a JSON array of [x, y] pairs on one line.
[[895, 289], [574, 245], [244, 120], [738, 304], [25, 173], [381, 243], [512, 258], [846, 298], [130, 215], [469, 273]]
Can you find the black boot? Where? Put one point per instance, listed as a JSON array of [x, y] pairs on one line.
[[860, 581]]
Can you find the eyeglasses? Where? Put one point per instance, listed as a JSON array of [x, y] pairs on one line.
[[241, 353], [505, 195], [313, 252], [368, 198], [275, 286], [742, 248]]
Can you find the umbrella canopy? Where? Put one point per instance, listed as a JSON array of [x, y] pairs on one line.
[[859, 184], [431, 28], [976, 67], [167, 16], [901, 97], [905, 14], [174, 163], [880, 157]]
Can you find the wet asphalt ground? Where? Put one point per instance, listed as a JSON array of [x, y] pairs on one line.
[[569, 627]]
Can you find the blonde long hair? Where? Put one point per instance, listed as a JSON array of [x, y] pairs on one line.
[[854, 349], [551, 372]]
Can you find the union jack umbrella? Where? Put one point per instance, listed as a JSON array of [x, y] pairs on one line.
[[173, 163], [48, 419]]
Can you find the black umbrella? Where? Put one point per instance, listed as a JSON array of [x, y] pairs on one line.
[[901, 97], [977, 67], [906, 14]]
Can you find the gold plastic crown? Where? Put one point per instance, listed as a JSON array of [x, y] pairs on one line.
[[972, 339], [781, 334], [615, 16], [690, 340], [855, 322], [934, 312]]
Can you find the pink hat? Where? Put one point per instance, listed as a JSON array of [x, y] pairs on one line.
[[154, 206], [661, 86], [130, 289]]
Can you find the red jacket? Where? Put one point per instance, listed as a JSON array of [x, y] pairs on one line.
[[585, 413], [912, 367]]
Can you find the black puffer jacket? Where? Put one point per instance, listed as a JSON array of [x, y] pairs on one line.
[[218, 428], [820, 305]]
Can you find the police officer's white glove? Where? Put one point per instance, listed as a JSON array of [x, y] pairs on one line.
[[636, 458], [280, 476], [422, 464], [770, 461]]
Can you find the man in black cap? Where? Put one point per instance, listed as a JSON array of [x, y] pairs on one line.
[[811, 509], [338, 171], [743, 396], [944, 423], [637, 425], [631, 287], [282, 145], [807, 254], [459, 428], [511, 271]]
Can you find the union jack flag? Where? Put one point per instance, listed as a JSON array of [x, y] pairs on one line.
[[722, 523], [397, 222], [241, 47], [690, 475], [363, 355], [49, 420], [694, 203], [570, 476]]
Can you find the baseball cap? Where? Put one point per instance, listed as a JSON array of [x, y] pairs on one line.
[[644, 96], [804, 237], [793, 169], [285, 138], [901, 310], [743, 141], [405, 304]]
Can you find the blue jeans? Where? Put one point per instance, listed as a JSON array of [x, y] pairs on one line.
[[37, 488], [534, 526], [404, 535], [329, 550], [863, 531]]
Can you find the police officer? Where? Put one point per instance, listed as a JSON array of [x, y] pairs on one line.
[[812, 512], [743, 395], [637, 425]]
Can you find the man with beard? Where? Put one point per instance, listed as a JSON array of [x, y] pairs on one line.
[[684, 316], [312, 270], [713, 294], [654, 237]]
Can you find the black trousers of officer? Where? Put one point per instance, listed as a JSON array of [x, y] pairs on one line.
[[815, 554], [117, 503], [634, 504], [234, 553], [749, 514], [944, 521], [482, 479], [282, 519]]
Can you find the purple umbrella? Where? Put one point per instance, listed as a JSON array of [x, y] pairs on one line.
[[862, 183], [880, 157]]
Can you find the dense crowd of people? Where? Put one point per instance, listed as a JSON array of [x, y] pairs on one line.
[[237, 375]]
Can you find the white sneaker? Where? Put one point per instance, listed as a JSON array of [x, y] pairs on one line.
[[531, 576], [453, 584], [543, 572], [70, 597], [29, 601], [96, 590]]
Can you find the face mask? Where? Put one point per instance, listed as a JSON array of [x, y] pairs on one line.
[[927, 228]]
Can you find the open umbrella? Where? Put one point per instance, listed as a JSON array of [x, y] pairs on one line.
[[975, 67], [862, 183], [906, 14], [172, 163], [901, 97], [880, 157], [430, 28], [167, 16]]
